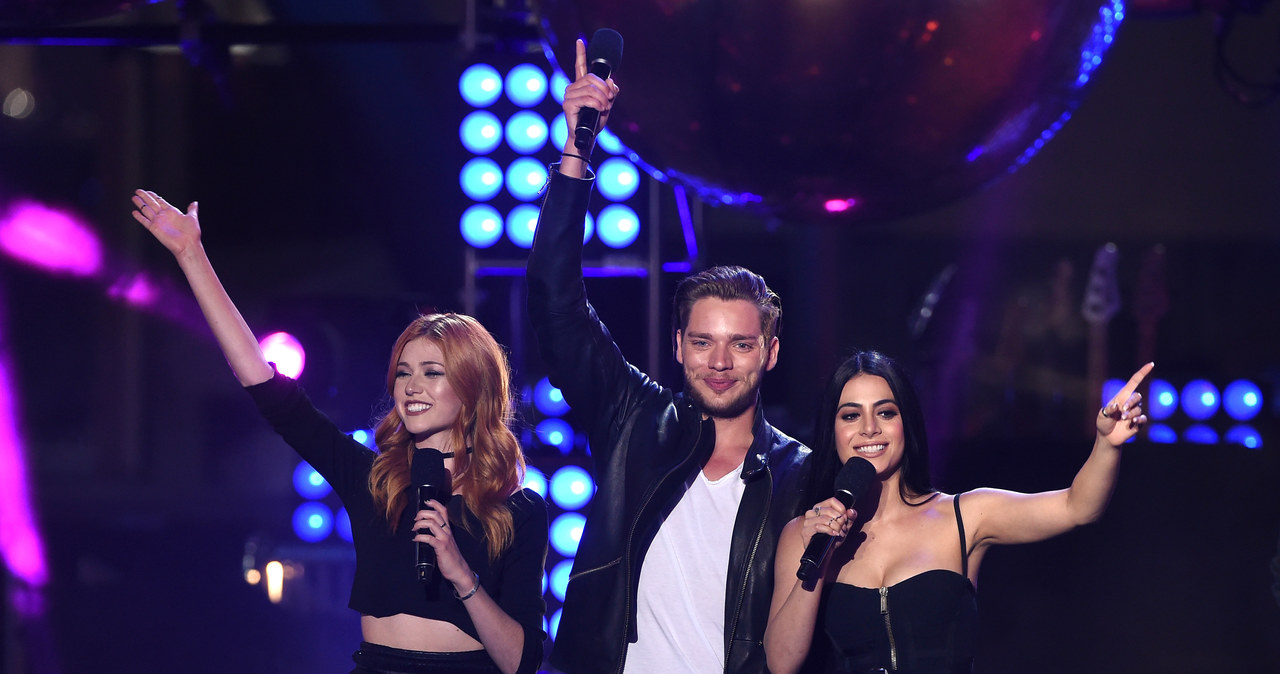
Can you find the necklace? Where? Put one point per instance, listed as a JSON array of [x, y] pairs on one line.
[[448, 455]]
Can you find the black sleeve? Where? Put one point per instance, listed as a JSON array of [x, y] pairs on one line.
[[521, 595]]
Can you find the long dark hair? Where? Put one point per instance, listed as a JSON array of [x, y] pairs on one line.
[[915, 481]]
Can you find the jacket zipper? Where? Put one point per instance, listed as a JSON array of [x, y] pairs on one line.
[[631, 533], [751, 558], [888, 628]]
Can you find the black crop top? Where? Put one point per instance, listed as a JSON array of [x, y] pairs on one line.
[[926, 623], [385, 581]]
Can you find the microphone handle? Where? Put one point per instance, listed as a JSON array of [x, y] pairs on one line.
[[819, 546], [584, 136], [425, 554]]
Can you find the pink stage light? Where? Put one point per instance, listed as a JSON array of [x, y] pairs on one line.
[[838, 205], [19, 541], [137, 290], [286, 352], [50, 239]]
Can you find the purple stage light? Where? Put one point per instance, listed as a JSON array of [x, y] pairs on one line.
[[19, 541], [286, 352], [50, 239]]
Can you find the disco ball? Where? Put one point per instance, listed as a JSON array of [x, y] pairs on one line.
[[852, 110]]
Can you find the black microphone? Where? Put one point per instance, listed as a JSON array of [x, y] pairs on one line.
[[852, 482], [429, 478], [604, 53]]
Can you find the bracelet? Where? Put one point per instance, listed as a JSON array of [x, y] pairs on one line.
[[576, 156], [473, 591]]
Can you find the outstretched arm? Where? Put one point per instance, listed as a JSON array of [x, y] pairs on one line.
[[793, 614], [1003, 517], [180, 233]]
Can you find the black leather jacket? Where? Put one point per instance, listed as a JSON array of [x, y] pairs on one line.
[[648, 443]]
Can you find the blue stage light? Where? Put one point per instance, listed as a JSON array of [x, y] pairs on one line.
[[480, 179], [1242, 399], [572, 487], [522, 221], [1163, 399], [536, 480], [526, 177], [617, 226], [1246, 435], [557, 433], [1200, 399], [363, 436], [559, 132], [559, 82], [555, 624], [481, 226], [1200, 434], [480, 132], [588, 228], [480, 85], [565, 532], [308, 483], [526, 85], [617, 179], [559, 580], [312, 521], [1161, 434], [607, 141], [548, 399], [342, 523], [526, 132], [1110, 388]]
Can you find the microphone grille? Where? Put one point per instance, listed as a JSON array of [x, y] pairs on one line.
[[855, 476], [427, 466], [606, 45]]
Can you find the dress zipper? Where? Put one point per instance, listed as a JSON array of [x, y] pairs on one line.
[[888, 628]]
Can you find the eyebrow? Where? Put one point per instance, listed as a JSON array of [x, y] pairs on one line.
[[877, 403], [732, 338], [425, 362]]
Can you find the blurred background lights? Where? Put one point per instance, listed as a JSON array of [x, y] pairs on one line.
[[617, 179], [1162, 434], [363, 436], [308, 483], [1242, 400], [342, 524], [521, 223], [617, 226], [557, 433], [588, 228], [1110, 388], [1162, 399], [286, 352], [560, 133], [526, 132], [572, 487], [608, 142], [559, 82], [49, 238], [19, 103], [526, 85], [559, 580], [1200, 434], [838, 205], [1200, 399], [525, 178], [536, 480], [548, 399], [480, 132], [566, 531], [1246, 435], [312, 521], [481, 226], [555, 624], [480, 85], [481, 179]]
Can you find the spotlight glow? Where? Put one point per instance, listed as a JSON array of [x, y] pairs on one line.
[[526, 132], [481, 226], [526, 177], [480, 132], [480, 85], [342, 523], [480, 179], [522, 221], [618, 179], [526, 85], [536, 480], [1200, 434], [559, 434], [312, 521], [1200, 399], [566, 532], [286, 352], [548, 399], [617, 226], [1242, 399], [308, 483], [1161, 434], [1163, 400], [1245, 435], [50, 239], [559, 580], [572, 487]]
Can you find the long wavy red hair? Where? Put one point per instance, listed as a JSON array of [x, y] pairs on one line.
[[477, 369]]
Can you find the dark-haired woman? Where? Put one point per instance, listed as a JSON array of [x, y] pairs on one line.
[[449, 383], [899, 596]]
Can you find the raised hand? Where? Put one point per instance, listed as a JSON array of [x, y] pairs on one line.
[[178, 231], [587, 91], [1120, 419]]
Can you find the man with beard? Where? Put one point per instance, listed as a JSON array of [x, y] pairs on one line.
[[674, 571]]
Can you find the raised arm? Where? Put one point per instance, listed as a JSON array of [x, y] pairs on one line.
[[1003, 517], [587, 91], [793, 613], [180, 233]]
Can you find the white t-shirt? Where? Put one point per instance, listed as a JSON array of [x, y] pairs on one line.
[[680, 601]]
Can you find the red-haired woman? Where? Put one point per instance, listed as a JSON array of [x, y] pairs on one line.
[[449, 382]]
